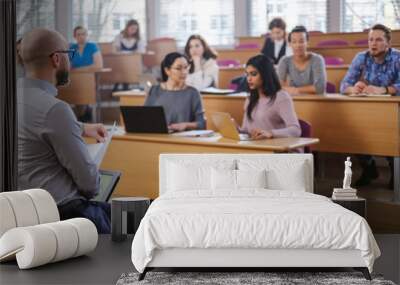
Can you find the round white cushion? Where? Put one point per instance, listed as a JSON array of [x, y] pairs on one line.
[[37, 245], [23, 208], [87, 235], [7, 220], [26, 208], [46, 207]]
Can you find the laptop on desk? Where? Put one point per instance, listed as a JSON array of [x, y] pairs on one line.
[[227, 128], [144, 119]]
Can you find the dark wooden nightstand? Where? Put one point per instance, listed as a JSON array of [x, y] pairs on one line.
[[357, 205], [126, 214]]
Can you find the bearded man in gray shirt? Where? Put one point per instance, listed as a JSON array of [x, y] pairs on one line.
[[51, 152]]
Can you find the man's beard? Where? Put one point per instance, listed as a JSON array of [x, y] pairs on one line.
[[62, 77], [379, 54]]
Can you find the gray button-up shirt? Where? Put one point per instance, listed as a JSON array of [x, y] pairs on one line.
[[51, 152]]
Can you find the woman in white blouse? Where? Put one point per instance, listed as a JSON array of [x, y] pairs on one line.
[[129, 39], [204, 69]]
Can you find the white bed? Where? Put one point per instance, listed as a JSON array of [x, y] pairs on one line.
[[219, 210]]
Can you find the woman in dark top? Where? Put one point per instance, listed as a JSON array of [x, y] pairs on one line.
[[182, 104], [275, 46]]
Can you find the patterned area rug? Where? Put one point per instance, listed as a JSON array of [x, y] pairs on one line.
[[243, 278]]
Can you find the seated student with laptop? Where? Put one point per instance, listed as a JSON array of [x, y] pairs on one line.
[[182, 104], [269, 110]]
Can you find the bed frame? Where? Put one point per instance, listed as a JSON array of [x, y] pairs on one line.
[[242, 259], [246, 258]]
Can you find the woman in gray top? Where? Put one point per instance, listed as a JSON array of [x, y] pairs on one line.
[[303, 72], [182, 104]]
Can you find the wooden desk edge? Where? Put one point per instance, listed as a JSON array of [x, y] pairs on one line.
[[314, 97], [101, 70], [302, 142]]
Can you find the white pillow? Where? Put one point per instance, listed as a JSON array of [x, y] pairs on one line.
[[225, 179], [289, 174], [186, 175], [251, 178], [183, 177]]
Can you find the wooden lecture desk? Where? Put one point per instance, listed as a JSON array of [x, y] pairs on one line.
[[359, 125], [136, 155]]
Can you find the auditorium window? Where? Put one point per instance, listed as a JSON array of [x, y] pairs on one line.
[[216, 23], [104, 19], [362, 14], [310, 13], [34, 13]]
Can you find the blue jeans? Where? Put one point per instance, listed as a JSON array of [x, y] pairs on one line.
[[98, 212]]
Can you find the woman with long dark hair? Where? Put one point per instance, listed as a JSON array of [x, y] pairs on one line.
[[204, 70], [129, 38], [182, 104], [269, 110]]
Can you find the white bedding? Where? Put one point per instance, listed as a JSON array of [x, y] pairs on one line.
[[250, 219]]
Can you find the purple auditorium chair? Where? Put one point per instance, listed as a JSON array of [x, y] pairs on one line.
[[233, 86], [228, 62], [331, 60], [330, 87], [333, 43], [305, 133], [363, 42], [248, 46]]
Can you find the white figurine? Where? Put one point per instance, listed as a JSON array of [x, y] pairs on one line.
[[347, 174]]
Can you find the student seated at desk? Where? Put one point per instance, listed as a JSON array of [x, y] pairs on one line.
[[204, 70], [275, 45], [376, 71], [269, 110], [129, 39], [182, 104], [303, 72], [87, 57], [87, 54]]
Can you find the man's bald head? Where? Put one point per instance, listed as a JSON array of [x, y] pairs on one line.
[[38, 44]]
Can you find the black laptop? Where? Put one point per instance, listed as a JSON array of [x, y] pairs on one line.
[[144, 119], [108, 181]]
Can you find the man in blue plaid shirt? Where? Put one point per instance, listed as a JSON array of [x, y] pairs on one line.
[[376, 71]]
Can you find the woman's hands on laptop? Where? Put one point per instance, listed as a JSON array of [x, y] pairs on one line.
[[259, 134], [180, 127]]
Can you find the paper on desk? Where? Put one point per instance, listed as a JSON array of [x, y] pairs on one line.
[[368, 95], [195, 133], [98, 150], [213, 90]]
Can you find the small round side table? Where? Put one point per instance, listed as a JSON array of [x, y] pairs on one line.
[[126, 214]]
